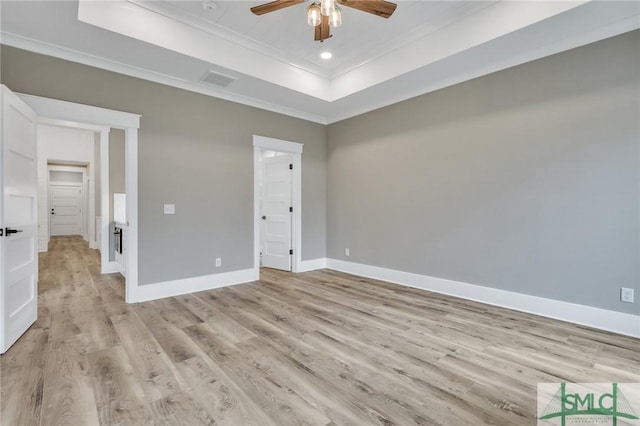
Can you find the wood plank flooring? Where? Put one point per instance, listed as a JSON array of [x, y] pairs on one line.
[[319, 348]]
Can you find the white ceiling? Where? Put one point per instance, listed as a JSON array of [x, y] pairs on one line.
[[285, 33], [424, 46]]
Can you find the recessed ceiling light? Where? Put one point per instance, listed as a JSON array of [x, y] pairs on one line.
[[209, 6], [326, 55]]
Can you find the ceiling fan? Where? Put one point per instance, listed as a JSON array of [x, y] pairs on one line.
[[326, 13]]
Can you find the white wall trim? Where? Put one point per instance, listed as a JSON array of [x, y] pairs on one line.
[[110, 267], [80, 168], [105, 203], [272, 144], [191, 285], [131, 191], [313, 264], [69, 114], [98, 234], [295, 149], [43, 244], [603, 319]]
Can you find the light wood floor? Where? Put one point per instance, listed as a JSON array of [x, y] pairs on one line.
[[316, 348]]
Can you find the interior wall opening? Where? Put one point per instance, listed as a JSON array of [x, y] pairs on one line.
[[82, 190], [277, 201]]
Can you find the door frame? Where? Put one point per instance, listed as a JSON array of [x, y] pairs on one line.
[[264, 143], [53, 111]]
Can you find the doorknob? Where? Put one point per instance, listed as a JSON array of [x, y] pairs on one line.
[[9, 231], [264, 218]]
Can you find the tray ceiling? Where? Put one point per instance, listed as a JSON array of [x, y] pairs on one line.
[[272, 62]]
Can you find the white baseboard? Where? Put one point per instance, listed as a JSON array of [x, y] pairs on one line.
[[190, 285], [312, 265], [43, 245], [603, 319], [94, 245], [110, 268]]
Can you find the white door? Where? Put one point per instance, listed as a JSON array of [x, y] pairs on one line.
[[276, 214], [65, 204], [18, 220]]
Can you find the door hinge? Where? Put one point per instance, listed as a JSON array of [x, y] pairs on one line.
[[290, 209], [290, 251], [290, 166]]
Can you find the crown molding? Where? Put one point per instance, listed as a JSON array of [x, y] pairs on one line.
[[37, 46]]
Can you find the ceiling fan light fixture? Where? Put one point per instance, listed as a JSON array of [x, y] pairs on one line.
[[327, 7], [326, 14], [335, 19], [313, 15]]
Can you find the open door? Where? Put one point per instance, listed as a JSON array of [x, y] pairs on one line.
[[18, 219], [276, 212]]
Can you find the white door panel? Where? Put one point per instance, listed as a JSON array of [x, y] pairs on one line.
[[276, 202], [18, 212], [66, 210]]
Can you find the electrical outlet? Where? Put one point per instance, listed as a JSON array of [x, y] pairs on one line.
[[218, 262], [346, 252], [626, 295]]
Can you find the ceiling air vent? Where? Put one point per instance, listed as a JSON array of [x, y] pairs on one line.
[[218, 79]]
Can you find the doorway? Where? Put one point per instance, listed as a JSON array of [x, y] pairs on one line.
[[61, 113], [68, 212], [277, 203]]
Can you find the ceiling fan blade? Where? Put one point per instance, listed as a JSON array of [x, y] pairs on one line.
[[322, 31], [381, 8], [274, 5]]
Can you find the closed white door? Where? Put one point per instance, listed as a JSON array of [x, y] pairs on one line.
[[65, 204], [276, 212], [18, 220]]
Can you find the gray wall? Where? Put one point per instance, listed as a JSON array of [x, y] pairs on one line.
[[116, 165], [525, 180], [194, 151]]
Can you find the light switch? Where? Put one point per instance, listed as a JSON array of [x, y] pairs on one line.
[[169, 209]]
